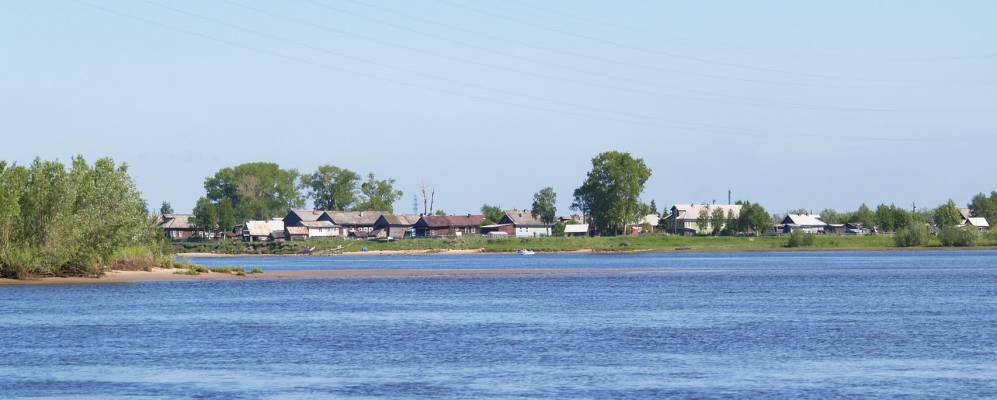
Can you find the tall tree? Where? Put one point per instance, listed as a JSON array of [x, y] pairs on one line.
[[947, 215], [257, 190], [493, 214], [753, 219], [332, 188], [985, 207], [205, 214], [225, 214], [610, 194], [378, 195], [718, 220], [165, 208], [544, 206], [654, 207], [864, 216]]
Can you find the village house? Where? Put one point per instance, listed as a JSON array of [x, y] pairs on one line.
[[295, 232], [261, 231], [803, 223], [498, 230], [178, 227], [395, 226], [524, 224], [684, 219], [576, 229], [968, 220], [448, 225], [355, 224], [313, 224]]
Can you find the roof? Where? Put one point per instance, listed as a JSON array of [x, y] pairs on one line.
[[803, 220], [263, 228], [318, 224], [177, 221], [692, 211], [401, 219], [306, 215], [978, 222], [522, 218], [966, 213], [297, 230], [354, 217], [442, 221], [576, 228]]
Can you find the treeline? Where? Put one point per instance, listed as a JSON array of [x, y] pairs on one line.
[[265, 190], [75, 221]]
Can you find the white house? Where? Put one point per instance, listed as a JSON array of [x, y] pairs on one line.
[[525, 224], [978, 223], [576, 230], [255, 231], [803, 223], [684, 219]]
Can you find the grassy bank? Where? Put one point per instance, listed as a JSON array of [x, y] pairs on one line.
[[658, 243]]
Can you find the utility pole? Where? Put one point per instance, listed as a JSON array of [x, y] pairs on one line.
[[728, 196]]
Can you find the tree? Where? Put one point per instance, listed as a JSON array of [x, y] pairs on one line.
[[753, 219], [165, 208], [718, 220], [332, 188], [544, 207], [440, 213], [654, 207], [610, 194], [947, 215], [864, 216], [256, 190], [493, 214], [225, 214], [205, 214], [985, 207], [830, 216], [703, 220], [378, 195]]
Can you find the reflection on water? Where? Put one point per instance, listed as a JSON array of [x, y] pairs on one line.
[[814, 325]]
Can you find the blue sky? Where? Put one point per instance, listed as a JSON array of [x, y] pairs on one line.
[[792, 104]]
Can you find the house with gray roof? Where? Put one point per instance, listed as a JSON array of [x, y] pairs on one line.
[[357, 224], [525, 224], [398, 226], [179, 227]]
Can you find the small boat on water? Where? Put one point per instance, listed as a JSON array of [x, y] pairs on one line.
[[525, 252]]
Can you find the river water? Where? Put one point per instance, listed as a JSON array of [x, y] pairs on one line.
[[751, 325]]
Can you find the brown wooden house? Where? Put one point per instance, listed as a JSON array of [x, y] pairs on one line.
[[448, 225]]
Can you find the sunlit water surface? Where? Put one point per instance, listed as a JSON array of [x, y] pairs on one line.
[[814, 325]]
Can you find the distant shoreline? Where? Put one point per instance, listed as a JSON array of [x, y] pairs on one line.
[[169, 275]]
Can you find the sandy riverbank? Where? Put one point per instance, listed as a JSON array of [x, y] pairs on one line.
[[168, 275], [375, 253]]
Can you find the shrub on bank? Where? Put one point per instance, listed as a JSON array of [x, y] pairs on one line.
[[800, 239], [911, 235], [959, 237]]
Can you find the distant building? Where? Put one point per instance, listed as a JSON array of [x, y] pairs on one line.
[[525, 224], [576, 230], [357, 224], [316, 226], [448, 225], [178, 227], [803, 223], [260, 231], [978, 223], [295, 233], [684, 219], [395, 226]]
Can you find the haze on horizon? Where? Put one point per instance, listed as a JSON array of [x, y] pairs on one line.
[[793, 105]]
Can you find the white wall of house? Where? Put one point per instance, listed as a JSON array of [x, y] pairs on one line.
[[522, 231], [321, 233]]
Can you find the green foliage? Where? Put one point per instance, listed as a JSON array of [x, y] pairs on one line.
[[718, 221], [256, 191], [378, 195], [947, 215], [961, 237], [165, 208], [256, 270], [800, 239], [610, 194], [55, 221], [891, 218], [493, 214], [652, 208], [544, 207], [864, 216], [440, 213], [753, 219], [557, 229], [332, 188], [985, 207], [911, 235]]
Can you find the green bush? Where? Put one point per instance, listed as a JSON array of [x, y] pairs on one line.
[[960, 237], [911, 235], [800, 239], [256, 270]]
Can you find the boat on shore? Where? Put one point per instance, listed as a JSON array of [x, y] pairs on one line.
[[525, 252]]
